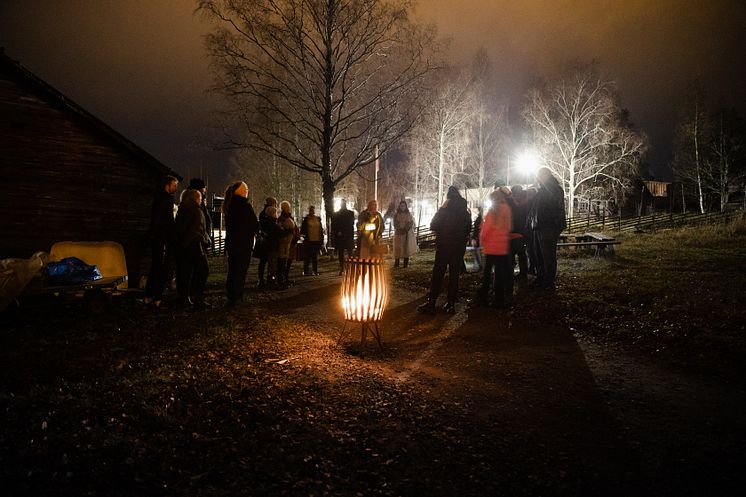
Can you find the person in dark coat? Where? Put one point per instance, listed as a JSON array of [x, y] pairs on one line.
[[517, 202], [530, 196], [161, 234], [265, 227], [241, 226], [343, 229], [278, 238], [451, 225], [191, 240], [475, 233], [547, 220], [201, 187]]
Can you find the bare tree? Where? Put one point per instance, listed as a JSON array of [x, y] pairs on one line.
[[486, 127], [273, 177], [726, 168], [320, 84], [693, 132], [581, 132], [439, 141]]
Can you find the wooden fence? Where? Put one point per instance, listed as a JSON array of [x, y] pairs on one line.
[[650, 222]]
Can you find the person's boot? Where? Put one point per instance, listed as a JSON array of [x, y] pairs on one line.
[[406, 262], [428, 307], [450, 307], [396, 262]]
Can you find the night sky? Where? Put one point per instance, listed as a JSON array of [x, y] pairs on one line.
[[140, 65]]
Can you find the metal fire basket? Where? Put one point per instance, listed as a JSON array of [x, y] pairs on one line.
[[364, 296]]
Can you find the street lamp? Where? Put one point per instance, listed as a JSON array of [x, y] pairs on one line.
[[527, 162]]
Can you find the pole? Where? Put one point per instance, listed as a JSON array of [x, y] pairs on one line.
[[375, 183]]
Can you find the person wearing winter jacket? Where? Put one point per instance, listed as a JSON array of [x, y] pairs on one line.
[[451, 225], [547, 220], [191, 240], [260, 250], [476, 230], [343, 229], [313, 238], [369, 232], [517, 202], [161, 235], [241, 226], [495, 241], [405, 239], [286, 241], [273, 242]]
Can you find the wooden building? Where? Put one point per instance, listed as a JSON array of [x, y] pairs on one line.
[[68, 176]]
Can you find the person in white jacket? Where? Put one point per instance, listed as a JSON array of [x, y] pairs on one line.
[[405, 239]]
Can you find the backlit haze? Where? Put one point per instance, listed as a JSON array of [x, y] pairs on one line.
[[140, 65]]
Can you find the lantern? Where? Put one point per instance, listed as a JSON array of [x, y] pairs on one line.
[[364, 295]]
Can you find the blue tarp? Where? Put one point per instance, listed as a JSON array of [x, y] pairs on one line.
[[71, 271]]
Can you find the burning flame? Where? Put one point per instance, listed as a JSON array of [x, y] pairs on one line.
[[364, 290]]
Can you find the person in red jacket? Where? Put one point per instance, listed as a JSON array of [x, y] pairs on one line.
[[495, 242]]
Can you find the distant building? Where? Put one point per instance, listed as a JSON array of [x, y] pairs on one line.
[[66, 175]]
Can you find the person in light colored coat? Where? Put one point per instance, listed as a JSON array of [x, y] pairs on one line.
[[405, 239]]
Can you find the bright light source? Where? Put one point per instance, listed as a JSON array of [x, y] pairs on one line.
[[487, 204], [337, 204], [527, 162]]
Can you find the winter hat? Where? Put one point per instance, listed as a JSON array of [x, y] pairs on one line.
[[452, 193], [196, 184]]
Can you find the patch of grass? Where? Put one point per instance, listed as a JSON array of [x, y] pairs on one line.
[[675, 293]]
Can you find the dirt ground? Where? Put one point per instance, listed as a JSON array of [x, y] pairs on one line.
[[260, 400]]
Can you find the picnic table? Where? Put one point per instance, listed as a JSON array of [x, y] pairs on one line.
[[593, 240]]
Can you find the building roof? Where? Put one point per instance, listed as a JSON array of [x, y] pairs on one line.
[[56, 98]]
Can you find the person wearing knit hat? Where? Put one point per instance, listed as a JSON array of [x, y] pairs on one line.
[[241, 226], [451, 225]]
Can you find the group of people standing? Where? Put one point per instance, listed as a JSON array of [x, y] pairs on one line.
[[278, 243], [370, 225], [522, 224], [182, 238], [273, 237]]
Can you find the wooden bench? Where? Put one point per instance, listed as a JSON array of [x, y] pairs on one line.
[[599, 241]]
